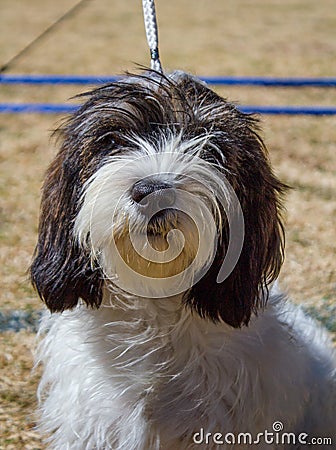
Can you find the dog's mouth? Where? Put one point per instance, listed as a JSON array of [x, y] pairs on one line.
[[156, 237], [164, 221], [170, 235]]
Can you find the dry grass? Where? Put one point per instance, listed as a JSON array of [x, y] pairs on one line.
[[17, 393], [234, 37]]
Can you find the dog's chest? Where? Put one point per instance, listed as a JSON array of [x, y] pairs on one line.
[[166, 371]]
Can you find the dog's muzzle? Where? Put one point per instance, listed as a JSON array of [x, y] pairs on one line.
[[155, 200], [160, 190]]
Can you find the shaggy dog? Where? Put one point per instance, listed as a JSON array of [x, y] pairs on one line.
[[160, 241]]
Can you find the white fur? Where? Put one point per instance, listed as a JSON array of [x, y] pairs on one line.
[[110, 225], [144, 374], [148, 373]]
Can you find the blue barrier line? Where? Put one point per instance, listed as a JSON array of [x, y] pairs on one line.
[[45, 108], [56, 79], [290, 110], [241, 81], [272, 82], [17, 320], [50, 108]]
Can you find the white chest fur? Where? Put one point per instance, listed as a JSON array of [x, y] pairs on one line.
[[149, 374]]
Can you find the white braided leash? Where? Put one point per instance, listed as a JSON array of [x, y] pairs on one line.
[[152, 33]]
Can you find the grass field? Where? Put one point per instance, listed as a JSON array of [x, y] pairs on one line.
[[217, 37]]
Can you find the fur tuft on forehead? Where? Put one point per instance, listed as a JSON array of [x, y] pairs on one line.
[[150, 105]]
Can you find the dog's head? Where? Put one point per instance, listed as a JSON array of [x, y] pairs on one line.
[[156, 177]]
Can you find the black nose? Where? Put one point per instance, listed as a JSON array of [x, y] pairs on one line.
[[162, 190]]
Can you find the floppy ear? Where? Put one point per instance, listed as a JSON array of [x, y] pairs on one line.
[[61, 272], [246, 288]]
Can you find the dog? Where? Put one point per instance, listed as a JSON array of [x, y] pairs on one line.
[[160, 242]]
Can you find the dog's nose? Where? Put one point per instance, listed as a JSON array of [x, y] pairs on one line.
[[162, 192]]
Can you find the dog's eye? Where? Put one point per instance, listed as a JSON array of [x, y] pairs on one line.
[[209, 155], [107, 143], [105, 140]]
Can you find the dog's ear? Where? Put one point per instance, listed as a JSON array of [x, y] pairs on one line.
[[61, 272], [246, 288]]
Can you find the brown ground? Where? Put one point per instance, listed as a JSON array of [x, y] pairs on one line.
[[234, 37]]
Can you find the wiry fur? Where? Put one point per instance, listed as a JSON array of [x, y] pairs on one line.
[[141, 373], [148, 375]]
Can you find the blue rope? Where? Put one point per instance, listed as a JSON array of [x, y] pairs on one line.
[[45, 108], [17, 320], [256, 81], [50, 108], [55, 79], [290, 110], [238, 81], [272, 82]]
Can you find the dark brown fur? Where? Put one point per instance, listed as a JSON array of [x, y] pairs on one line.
[[62, 273]]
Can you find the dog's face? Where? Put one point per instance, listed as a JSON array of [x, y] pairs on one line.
[[157, 176]]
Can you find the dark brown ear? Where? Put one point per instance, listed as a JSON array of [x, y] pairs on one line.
[[246, 288], [60, 272]]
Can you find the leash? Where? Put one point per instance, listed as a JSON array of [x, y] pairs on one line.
[[151, 29]]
